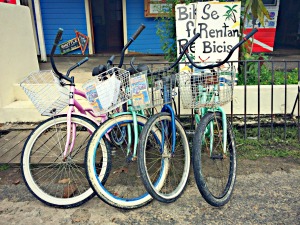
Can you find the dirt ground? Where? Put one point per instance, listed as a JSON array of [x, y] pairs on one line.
[[266, 192]]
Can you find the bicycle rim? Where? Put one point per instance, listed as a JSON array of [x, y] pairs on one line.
[[53, 181], [123, 188], [214, 170], [164, 173]]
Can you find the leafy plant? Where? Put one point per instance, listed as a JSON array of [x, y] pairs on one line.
[[166, 28], [266, 76], [258, 11]]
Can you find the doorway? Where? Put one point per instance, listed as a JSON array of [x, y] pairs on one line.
[[107, 20], [288, 27]]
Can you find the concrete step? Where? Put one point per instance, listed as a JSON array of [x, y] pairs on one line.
[[25, 111], [20, 95], [20, 111]]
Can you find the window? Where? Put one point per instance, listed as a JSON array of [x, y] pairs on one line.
[[154, 8]]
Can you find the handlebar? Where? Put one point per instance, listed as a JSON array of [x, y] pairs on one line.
[[102, 68], [132, 39], [228, 56], [192, 40], [62, 76], [139, 30]]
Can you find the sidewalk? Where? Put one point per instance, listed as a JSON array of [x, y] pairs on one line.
[[84, 72]]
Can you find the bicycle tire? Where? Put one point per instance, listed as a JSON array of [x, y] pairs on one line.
[[123, 188], [51, 180], [156, 166], [207, 166]]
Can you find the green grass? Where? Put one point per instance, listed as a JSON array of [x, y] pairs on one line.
[[4, 167], [252, 148]]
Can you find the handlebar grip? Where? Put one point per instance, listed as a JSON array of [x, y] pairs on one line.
[[82, 61], [250, 34], [139, 30], [111, 60], [58, 36]]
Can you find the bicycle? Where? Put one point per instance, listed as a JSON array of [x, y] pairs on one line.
[[124, 188], [53, 154], [214, 150]]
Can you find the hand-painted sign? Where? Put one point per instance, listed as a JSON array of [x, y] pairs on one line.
[[81, 41], [69, 46], [218, 24]]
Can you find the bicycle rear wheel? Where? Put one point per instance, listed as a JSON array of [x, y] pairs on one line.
[[123, 188], [164, 173], [52, 180], [214, 170]]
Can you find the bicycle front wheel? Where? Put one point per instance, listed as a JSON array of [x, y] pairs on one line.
[[164, 173], [53, 180], [123, 188], [214, 160]]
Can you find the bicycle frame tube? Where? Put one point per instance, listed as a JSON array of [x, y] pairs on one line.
[[168, 108], [71, 127], [70, 130], [224, 124]]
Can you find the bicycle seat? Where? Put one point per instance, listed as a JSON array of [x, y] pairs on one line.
[[99, 69]]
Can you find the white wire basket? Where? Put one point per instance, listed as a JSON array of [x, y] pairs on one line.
[[108, 91], [46, 93], [207, 88], [153, 90]]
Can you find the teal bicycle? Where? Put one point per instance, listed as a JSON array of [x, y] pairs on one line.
[[213, 154], [124, 187], [214, 149]]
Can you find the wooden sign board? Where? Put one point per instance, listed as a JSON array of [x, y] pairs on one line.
[[69, 46], [80, 41], [83, 41], [218, 24], [154, 8]]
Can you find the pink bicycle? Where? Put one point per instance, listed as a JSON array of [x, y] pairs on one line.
[[52, 161]]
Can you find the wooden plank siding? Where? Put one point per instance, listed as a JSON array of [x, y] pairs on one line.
[[13, 145], [66, 14], [70, 15], [148, 42], [48, 147]]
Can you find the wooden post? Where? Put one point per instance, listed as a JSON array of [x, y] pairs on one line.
[[88, 26], [40, 30]]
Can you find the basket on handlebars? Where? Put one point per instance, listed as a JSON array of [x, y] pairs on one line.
[[152, 89], [46, 93], [206, 88], [108, 90]]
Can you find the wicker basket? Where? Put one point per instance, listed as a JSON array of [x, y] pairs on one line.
[[208, 88], [108, 91], [46, 93], [152, 90]]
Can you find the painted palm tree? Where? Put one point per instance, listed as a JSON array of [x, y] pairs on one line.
[[230, 13]]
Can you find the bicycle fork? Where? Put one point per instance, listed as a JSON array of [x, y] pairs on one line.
[[224, 133], [168, 108]]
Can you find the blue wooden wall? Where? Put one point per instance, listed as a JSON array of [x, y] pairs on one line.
[[148, 42], [70, 15], [66, 14]]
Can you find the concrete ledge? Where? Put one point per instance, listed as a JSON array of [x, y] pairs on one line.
[[20, 111], [24, 111], [265, 100]]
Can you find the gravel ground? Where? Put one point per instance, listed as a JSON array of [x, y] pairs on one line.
[[267, 192]]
